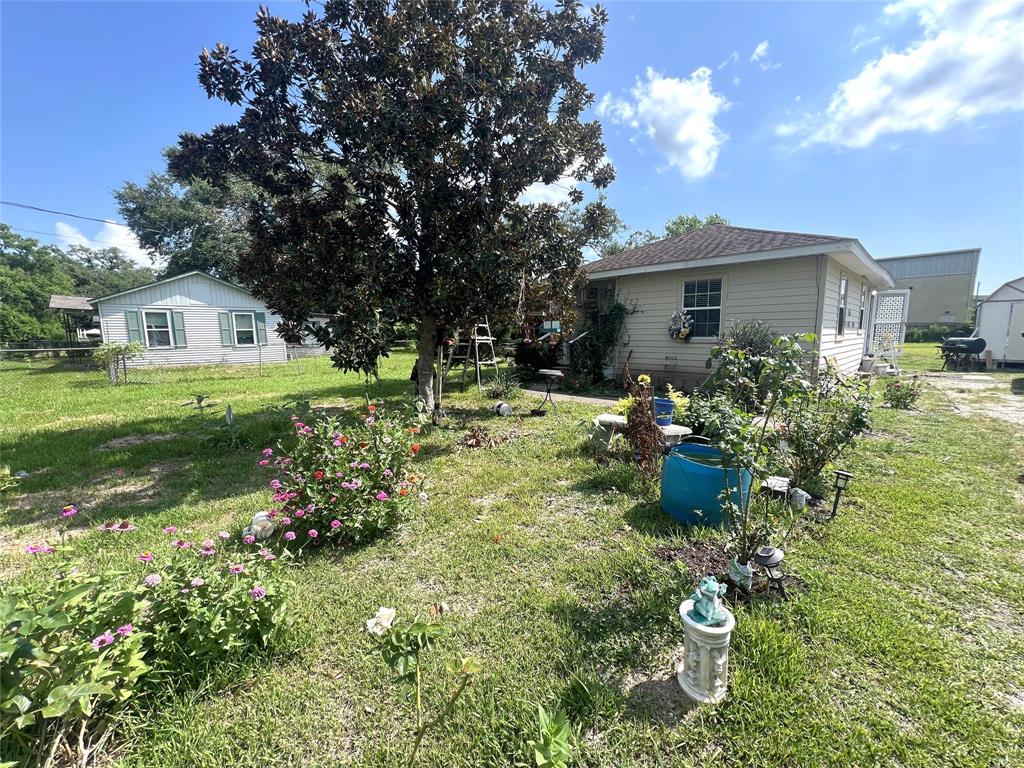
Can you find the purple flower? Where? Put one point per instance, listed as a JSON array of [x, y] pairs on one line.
[[286, 521], [312, 533], [207, 551], [236, 568], [198, 582], [171, 529], [69, 511], [249, 539], [382, 496], [335, 524], [337, 443], [181, 544], [275, 484], [263, 462], [224, 535], [267, 452], [102, 641], [289, 535], [125, 629], [153, 580], [257, 592], [388, 473], [145, 557], [207, 544], [364, 465]]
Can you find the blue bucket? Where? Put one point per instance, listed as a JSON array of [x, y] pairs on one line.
[[664, 407], [691, 481]]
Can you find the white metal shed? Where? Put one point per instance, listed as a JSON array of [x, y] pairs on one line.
[[1001, 322]]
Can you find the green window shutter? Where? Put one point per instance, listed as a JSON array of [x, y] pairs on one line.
[[178, 323], [131, 317], [225, 329], [261, 328]]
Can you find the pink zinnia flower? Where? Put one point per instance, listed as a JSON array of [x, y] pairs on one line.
[[382, 496], [258, 592], [363, 465], [207, 551], [249, 539], [125, 629], [171, 529], [181, 544], [289, 535], [69, 511], [153, 579], [264, 462], [198, 582], [286, 521], [102, 641], [34, 549], [312, 533], [335, 524], [145, 557], [267, 452], [275, 484], [236, 568], [300, 513], [208, 543], [337, 443], [224, 535]]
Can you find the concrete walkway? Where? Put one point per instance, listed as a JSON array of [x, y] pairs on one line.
[[559, 397]]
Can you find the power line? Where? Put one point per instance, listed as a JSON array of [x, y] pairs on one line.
[[61, 213]]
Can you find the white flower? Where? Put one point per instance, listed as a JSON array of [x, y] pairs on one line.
[[381, 622], [423, 496]]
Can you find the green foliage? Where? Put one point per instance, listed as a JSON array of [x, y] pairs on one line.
[[753, 377], [113, 353], [29, 274], [591, 353], [101, 272], [415, 215], [192, 224], [554, 745], [682, 403], [684, 224], [901, 393], [821, 426], [937, 332], [642, 432], [504, 386], [344, 482], [80, 645]]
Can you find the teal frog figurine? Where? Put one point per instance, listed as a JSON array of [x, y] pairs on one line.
[[707, 602]]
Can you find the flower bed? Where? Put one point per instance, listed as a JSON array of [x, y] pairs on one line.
[[341, 482]]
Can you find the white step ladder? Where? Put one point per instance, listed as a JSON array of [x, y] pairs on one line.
[[478, 347]]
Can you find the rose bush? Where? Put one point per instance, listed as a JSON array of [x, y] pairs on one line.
[[342, 481]]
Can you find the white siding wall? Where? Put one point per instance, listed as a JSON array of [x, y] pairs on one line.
[[200, 300], [846, 347], [994, 317], [784, 294]]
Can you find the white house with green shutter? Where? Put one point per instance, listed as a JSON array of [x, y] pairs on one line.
[[192, 319]]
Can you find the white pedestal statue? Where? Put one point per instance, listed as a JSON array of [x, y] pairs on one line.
[[704, 672]]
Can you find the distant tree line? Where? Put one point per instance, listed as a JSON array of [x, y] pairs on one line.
[[30, 272]]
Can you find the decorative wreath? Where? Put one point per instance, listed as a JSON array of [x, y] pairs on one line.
[[680, 325]]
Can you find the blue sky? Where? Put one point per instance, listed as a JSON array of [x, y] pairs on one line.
[[901, 124]]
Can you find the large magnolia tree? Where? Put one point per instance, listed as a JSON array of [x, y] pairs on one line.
[[391, 143]]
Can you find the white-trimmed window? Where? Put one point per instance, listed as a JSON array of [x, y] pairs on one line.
[[245, 329], [844, 289], [702, 300], [158, 328]]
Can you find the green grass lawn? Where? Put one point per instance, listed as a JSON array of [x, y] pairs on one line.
[[902, 643]]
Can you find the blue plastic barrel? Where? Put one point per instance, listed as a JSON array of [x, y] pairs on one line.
[[691, 481], [664, 407]]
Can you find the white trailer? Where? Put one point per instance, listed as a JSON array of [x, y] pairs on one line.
[[1001, 323]]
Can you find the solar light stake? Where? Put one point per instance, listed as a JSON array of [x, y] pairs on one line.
[[770, 560], [842, 480]]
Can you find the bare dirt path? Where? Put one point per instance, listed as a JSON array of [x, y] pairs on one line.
[[999, 395]]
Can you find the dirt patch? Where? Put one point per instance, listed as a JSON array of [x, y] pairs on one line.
[[980, 394], [701, 558], [655, 694], [129, 440]]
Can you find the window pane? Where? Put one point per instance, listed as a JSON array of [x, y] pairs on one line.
[[244, 337], [689, 287], [714, 299], [159, 338], [156, 320], [243, 322], [715, 285]]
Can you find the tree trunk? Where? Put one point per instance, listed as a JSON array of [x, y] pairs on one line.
[[425, 365]]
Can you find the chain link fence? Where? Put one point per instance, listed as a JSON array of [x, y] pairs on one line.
[[139, 372]]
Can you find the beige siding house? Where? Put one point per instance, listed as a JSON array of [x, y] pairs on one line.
[[796, 283], [192, 319]]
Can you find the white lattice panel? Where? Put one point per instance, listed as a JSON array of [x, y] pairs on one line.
[[890, 320]]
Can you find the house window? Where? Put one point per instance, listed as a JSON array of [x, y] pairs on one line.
[[863, 306], [844, 287], [245, 329], [702, 300], [158, 329]]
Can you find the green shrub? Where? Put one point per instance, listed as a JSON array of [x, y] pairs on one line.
[[343, 482], [901, 393], [504, 386], [594, 348], [818, 428], [938, 332]]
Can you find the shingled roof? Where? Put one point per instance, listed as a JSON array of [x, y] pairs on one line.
[[706, 243]]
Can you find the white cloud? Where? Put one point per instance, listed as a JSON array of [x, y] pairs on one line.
[[968, 62], [109, 236], [865, 43], [678, 115], [732, 58], [558, 191], [760, 57]]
